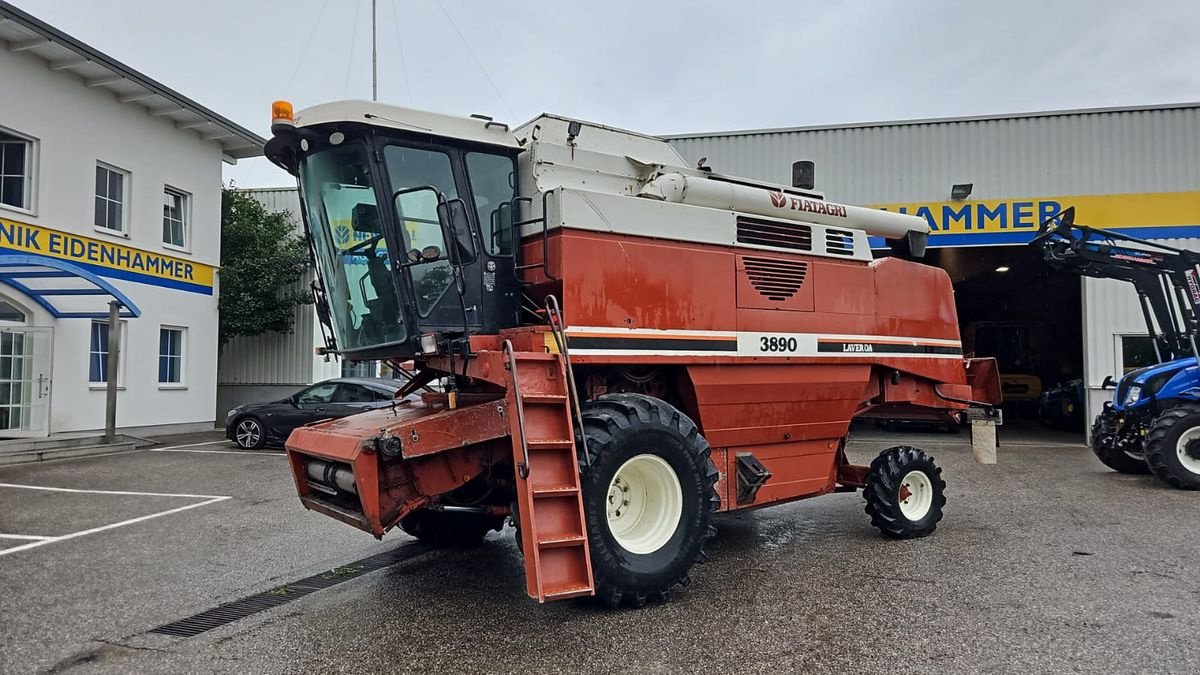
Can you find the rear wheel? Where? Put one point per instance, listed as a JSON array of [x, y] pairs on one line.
[[1108, 450], [449, 528], [1173, 447], [249, 433], [648, 496], [905, 493]]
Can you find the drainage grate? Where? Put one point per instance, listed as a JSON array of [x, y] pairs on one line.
[[240, 609]]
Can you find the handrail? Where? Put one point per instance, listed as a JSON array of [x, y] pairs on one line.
[[554, 314], [511, 365], [545, 264]]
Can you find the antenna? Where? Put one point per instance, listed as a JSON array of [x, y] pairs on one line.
[[374, 57]]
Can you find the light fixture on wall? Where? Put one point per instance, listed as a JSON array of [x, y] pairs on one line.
[[960, 191], [1002, 268]]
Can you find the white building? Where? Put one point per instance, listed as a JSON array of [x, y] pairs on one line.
[[109, 188], [1134, 170]]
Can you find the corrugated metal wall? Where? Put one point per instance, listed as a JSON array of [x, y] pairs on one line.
[[1084, 153], [274, 358], [1076, 154]]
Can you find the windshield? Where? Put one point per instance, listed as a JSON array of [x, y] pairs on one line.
[[351, 251]]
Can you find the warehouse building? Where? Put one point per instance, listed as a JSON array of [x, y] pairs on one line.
[[984, 183], [109, 190], [273, 365]]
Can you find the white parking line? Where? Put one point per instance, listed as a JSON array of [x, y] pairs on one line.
[[244, 453], [23, 536], [41, 541], [109, 492], [188, 445]]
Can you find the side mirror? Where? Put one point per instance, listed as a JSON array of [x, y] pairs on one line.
[[452, 214]]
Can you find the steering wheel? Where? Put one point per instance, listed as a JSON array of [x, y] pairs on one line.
[[1060, 224]]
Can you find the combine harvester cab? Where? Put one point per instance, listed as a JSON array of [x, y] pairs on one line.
[[611, 346]]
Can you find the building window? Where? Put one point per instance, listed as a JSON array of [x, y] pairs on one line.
[[16, 171], [1137, 351], [175, 215], [170, 355], [98, 353], [110, 198]]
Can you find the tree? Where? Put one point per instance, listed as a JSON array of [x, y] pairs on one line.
[[262, 258]]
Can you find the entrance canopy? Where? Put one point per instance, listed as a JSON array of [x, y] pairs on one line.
[[66, 290]]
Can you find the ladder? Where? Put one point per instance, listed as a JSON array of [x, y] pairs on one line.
[[549, 495]]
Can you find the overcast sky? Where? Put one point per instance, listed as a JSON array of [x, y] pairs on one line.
[[663, 67]]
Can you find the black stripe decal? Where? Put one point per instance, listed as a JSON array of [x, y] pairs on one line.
[[653, 344], [883, 348]]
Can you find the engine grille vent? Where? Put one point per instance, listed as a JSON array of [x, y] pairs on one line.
[[776, 280], [795, 236], [839, 242]]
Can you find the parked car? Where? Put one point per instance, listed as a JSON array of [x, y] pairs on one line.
[[253, 425]]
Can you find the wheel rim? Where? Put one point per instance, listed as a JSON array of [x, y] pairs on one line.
[[248, 433], [1182, 446], [916, 495], [644, 504]]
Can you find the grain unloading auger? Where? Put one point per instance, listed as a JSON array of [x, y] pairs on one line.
[[619, 346]]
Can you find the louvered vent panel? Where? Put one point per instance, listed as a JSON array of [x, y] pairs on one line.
[[795, 236], [775, 280], [839, 242]]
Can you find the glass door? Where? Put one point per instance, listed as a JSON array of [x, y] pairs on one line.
[[25, 382]]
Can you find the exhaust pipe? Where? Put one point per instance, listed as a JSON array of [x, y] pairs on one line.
[[330, 477]]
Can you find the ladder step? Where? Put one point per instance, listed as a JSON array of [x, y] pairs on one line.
[[549, 444], [562, 541], [555, 491], [544, 398], [564, 592]]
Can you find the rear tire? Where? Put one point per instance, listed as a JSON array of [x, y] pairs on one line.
[[445, 529], [1173, 447], [648, 496], [905, 493], [1104, 446]]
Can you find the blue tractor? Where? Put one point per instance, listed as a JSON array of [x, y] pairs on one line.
[[1152, 425]]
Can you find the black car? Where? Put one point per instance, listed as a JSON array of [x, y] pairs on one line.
[[253, 425]]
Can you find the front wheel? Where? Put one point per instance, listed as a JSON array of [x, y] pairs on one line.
[[1173, 447], [905, 493], [249, 434], [449, 528], [648, 496], [1108, 449]]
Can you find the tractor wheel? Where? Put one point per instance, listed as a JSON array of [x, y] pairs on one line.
[[1173, 447], [449, 529], [648, 496], [905, 493], [1104, 445]]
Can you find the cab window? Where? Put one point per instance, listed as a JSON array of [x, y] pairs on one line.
[[492, 183], [417, 214]]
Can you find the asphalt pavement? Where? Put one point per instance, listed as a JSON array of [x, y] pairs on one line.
[[1045, 562]]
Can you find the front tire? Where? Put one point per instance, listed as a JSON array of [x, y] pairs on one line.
[[448, 529], [1173, 447], [249, 433], [648, 496], [905, 493], [1107, 449]]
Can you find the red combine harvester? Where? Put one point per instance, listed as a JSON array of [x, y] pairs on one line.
[[614, 346]]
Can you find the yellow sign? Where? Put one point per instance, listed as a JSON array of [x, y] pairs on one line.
[[1146, 215], [107, 258]]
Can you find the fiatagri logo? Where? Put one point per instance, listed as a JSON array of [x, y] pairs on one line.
[[782, 201]]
